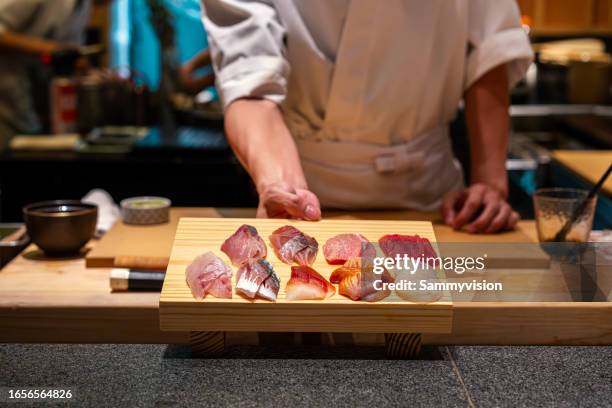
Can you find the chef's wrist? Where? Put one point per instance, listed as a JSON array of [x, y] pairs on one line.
[[491, 173], [501, 186]]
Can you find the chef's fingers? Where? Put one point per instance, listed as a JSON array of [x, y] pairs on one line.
[[309, 205], [513, 220], [276, 200], [492, 203], [261, 212], [284, 205], [448, 206], [501, 219], [472, 204]]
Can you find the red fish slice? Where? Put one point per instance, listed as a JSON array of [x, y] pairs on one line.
[[209, 274], [244, 244], [339, 249], [308, 284], [413, 246], [292, 245]]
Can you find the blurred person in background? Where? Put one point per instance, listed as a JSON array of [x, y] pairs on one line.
[[30, 29]]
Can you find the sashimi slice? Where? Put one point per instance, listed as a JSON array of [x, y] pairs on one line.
[[209, 274], [222, 287], [340, 248], [244, 244], [413, 246], [270, 287], [257, 277], [292, 245], [360, 286], [251, 275], [351, 266], [308, 284]]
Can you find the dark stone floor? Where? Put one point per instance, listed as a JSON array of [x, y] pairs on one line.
[[160, 375]]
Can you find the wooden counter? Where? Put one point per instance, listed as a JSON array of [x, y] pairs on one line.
[[589, 165], [44, 300]]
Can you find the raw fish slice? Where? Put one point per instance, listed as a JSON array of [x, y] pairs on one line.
[[360, 286], [412, 245], [308, 284], [351, 267], [339, 249], [251, 275], [269, 288], [209, 274], [222, 287], [244, 244], [256, 277], [292, 245], [307, 256]]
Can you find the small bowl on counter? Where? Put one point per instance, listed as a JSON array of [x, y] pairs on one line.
[[146, 210], [60, 227]]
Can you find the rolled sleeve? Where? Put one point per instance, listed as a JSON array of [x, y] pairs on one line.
[[497, 37], [254, 77], [246, 42]]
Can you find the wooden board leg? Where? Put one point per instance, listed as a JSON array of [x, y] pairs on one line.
[[403, 345], [207, 344]]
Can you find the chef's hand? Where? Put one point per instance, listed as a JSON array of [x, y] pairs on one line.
[[479, 209], [280, 200]]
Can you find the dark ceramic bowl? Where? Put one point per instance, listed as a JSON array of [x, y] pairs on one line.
[[60, 227]]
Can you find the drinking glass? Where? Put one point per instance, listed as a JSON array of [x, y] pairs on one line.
[[554, 207]]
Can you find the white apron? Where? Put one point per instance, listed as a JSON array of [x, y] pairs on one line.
[[348, 165], [413, 175]]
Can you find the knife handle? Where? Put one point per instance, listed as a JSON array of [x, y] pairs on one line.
[[151, 263]]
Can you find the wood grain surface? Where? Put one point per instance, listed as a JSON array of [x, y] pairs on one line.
[[45, 299], [179, 310], [144, 244], [588, 164]]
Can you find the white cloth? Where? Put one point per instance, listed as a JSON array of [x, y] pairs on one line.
[[108, 211], [378, 73], [59, 20]]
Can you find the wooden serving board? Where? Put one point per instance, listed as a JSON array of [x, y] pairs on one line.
[[179, 311]]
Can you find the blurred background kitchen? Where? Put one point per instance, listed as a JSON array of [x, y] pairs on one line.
[[130, 111]]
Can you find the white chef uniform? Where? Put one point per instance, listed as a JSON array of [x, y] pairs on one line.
[[59, 20], [367, 87]]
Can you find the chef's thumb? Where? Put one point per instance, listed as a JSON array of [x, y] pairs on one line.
[[309, 204]]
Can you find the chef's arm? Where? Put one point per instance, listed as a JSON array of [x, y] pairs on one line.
[[257, 133], [21, 43], [486, 106], [483, 206]]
